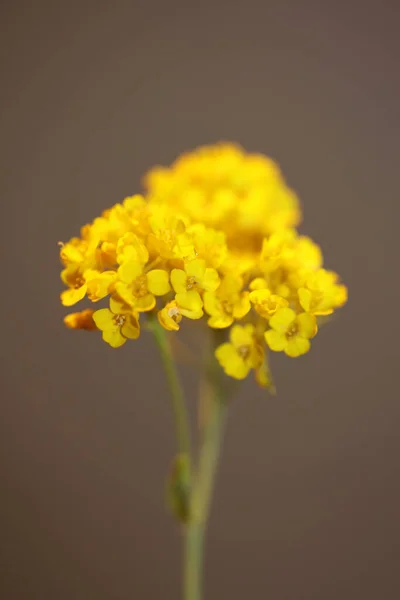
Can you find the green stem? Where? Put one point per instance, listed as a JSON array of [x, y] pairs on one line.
[[178, 401], [204, 479], [193, 562]]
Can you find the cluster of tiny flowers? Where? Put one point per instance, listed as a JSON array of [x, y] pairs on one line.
[[213, 238]]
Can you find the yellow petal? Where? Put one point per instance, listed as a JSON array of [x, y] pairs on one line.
[[340, 296], [259, 296], [129, 271], [179, 280], [114, 337], [258, 284], [231, 285], [73, 295], [196, 268], [296, 346], [158, 282], [144, 303], [305, 298], [70, 253], [212, 304], [307, 325], [242, 306], [242, 336], [282, 319], [98, 287], [220, 321], [119, 307], [231, 361], [210, 280], [190, 304], [131, 328], [104, 319], [275, 340]]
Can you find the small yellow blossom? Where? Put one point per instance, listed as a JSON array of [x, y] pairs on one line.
[[106, 255], [81, 320], [194, 276], [209, 244], [322, 294], [131, 248], [138, 288], [187, 304], [242, 353], [290, 332], [265, 303], [168, 238], [99, 284], [227, 304], [77, 282], [73, 252], [118, 323], [276, 249]]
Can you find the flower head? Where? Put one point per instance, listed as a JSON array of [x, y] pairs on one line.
[[214, 238]]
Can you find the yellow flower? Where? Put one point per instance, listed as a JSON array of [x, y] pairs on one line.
[[265, 303], [322, 294], [168, 237], [227, 304], [131, 248], [118, 323], [106, 255], [73, 252], [290, 332], [77, 282], [276, 249], [99, 284], [187, 304], [194, 276], [81, 320], [138, 288], [241, 354], [208, 244]]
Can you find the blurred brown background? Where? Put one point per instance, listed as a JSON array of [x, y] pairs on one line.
[[93, 94]]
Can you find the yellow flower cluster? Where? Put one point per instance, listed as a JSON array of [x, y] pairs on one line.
[[213, 237]]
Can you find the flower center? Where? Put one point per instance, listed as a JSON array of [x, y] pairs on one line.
[[139, 286], [79, 282], [244, 351], [174, 313], [119, 320], [292, 330], [191, 283], [226, 306]]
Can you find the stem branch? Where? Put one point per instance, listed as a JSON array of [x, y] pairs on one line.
[[178, 401], [214, 402]]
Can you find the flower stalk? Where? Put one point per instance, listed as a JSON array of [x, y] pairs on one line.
[[204, 481], [179, 410], [213, 239]]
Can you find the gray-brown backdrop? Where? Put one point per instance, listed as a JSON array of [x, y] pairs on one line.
[[94, 93]]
